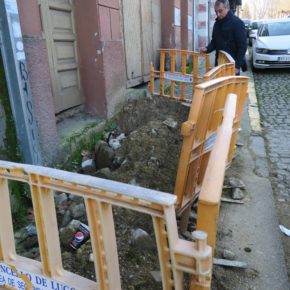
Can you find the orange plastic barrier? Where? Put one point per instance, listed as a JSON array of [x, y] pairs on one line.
[[186, 81], [210, 195], [176, 256], [175, 76], [200, 131]]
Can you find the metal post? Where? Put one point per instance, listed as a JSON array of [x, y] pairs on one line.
[[17, 78]]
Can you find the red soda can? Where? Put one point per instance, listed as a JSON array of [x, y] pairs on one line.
[[81, 236]]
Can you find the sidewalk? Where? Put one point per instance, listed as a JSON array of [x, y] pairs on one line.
[[250, 230]]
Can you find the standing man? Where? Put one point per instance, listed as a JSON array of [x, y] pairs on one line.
[[228, 34]]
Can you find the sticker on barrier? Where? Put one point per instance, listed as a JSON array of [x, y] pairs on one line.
[[178, 77], [11, 278], [210, 141]]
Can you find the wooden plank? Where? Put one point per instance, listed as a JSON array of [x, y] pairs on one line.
[[156, 20], [146, 35], [229, 263], [230, 200], [132, 38]]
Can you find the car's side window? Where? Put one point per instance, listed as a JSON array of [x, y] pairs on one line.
[[264, 31]]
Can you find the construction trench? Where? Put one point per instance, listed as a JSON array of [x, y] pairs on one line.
[[147, 155], [142, 147]]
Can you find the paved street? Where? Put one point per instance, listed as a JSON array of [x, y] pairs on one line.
[[273, 93]]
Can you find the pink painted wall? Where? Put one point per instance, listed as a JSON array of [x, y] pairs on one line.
[[39, 77], [101, 54], [178, 28], [177, 3], [90, 56], [190, 29], [190, 7], [30, 17], [184, 24], [113, 53], [167, 19], [177, 37], [202, 27]]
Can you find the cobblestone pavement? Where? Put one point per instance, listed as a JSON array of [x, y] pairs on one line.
[[273, 93]]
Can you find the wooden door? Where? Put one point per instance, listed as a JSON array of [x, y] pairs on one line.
[[142, 36], [59, 29]]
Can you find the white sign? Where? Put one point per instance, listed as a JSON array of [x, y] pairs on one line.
[[8, 277], [177, 17], [210, 141], [178, 77], [11, 6], [189, 19]]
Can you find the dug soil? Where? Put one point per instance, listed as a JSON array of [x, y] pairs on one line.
[[148, 157]]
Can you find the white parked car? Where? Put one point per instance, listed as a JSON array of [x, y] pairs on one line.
[[271, 48]]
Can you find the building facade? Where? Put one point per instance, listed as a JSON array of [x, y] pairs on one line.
[[86, 54]]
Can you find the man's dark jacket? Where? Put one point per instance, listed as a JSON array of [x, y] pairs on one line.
[[229, 34]]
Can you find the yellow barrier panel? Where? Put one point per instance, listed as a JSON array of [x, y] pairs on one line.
[[222, 70], [176, 256], [224, 57], [200, 131], [226, 67], [210, 195], [176, 77], [211, 189]]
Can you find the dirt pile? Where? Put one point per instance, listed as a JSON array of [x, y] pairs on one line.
[[147, 156], [151, 149]]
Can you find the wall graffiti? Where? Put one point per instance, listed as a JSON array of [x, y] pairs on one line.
[[29, 108]]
